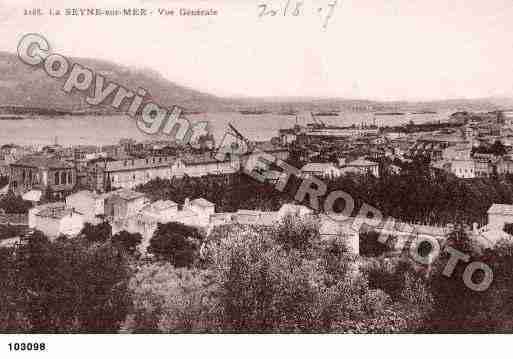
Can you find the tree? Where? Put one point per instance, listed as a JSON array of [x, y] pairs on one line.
[[127, 241], [370, 246], [293, 233], [172, 300], [508, 228], [97, 233], [71, 286], [176, 243], [4, 181], [14, 204], [498, 148]]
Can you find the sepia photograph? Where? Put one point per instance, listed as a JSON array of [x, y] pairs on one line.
[[254, 167]]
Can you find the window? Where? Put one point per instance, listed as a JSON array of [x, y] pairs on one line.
[[63, 178], [57, 178], [70, 177]]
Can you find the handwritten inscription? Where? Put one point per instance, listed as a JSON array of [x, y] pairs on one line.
[[299, 8]]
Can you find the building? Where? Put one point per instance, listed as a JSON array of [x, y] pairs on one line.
[[128, 172], [320, 170], [339, 228], [295, 210], [55, 178], [146, 221], [199, 165], [433, 145], [462, 168], [161, 210], [457, 152], [485, 164], [505, 165], [124, 203], [90, 204], [56, 219], [361, 166], [499, 215], [506, 117], [195, 213], [203, 209]]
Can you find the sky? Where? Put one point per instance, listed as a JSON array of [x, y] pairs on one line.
[[380, 50]]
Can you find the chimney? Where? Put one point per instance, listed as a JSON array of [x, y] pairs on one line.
[[186, 203]]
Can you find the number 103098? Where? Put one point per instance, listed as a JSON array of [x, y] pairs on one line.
[[26, 347]]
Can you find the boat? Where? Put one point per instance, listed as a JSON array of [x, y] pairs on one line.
[[193, 112], [389, 113], [424, 113], [253, 112], [289, 112], [326, 113], [11, 117]]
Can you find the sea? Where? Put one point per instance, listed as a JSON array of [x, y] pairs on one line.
[[106, 130]]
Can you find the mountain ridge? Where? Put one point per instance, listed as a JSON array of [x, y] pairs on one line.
[[27, 86]]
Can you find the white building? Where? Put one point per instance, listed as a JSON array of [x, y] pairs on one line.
[[289, 209], [203, 209], [202, 165], [361, 166], [124, 203], [131, 172], [56, 219], [89, 204], [463, 168], [195, 213], [499, 215], [320, 170]]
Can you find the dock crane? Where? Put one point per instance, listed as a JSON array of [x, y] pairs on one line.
[[318, 121]]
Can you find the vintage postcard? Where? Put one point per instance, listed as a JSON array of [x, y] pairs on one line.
[[254, 167]]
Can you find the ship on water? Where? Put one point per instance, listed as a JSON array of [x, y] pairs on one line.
[[390, 114], [318, 129], [287, 112], [193, 112], [253, 112], [327, 113]]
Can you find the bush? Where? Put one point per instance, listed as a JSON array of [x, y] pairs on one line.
[[127, 241], [69, 286], [172, 300], [370, 246], [97, 233], [295, 234], [176, 243], [14, 204]]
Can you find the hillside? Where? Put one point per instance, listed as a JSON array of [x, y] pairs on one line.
[[26, 86], [23, 85]]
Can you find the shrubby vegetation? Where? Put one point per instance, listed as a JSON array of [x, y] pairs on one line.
[[63, 286], [99, 233], [11, 203], [256, 280], [4, 181], [417, 194], [127, 242], [241, 279], [176, 243]]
